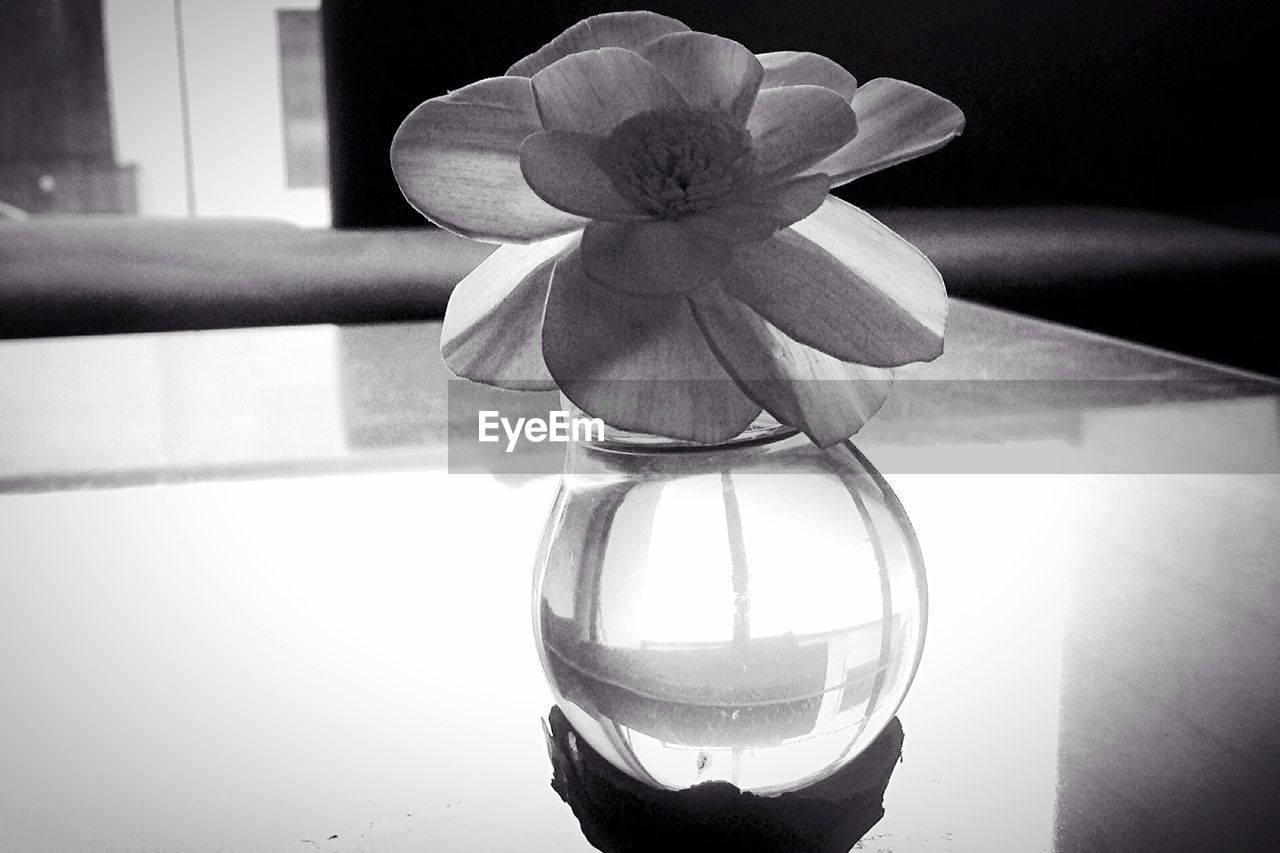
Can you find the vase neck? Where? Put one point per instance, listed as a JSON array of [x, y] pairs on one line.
[[763, 429]]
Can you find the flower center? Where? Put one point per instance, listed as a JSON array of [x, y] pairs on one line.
[[676, 162]]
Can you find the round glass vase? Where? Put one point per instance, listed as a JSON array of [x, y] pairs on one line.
[[751, 612]]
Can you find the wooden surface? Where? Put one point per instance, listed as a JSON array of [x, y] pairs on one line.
[[244, 606]]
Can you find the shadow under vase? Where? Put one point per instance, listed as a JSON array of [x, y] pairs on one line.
[[618, 814]]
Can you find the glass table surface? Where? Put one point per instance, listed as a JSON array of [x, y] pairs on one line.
[[244, 604]]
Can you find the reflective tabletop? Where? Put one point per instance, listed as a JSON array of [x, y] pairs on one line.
[[245, 605]]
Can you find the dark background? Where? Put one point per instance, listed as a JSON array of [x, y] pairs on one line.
[[1163, 104], [55, 118], [1118, 171]]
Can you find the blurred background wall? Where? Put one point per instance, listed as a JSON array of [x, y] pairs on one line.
[[56, 148], [1149, 103], [164, 108], [237, 59], [217, 107], [1118, 171]]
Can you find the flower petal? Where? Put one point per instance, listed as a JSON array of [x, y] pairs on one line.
[[843, 283], [492, 327], [828, 399], [753, 216], [897, 121], [564, 170], [595, 91], [632, 30], [457, 160], [639, 363], [794, 127], [709, 71], [651, 258], [794, 68]]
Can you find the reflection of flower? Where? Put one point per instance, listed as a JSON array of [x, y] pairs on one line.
[[670, 190]]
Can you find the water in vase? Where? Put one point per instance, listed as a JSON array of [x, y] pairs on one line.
[[756, 623]]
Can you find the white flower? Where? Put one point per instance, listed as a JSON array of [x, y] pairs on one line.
[[679, 264]]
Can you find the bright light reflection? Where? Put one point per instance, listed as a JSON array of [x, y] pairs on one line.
[[680, 601], [239, 665], [788, 560], [982, 715]]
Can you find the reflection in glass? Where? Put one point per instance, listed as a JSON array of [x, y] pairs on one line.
[[619, 815], [750, 613]]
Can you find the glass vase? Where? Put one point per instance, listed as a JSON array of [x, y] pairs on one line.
[[751, 612]]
